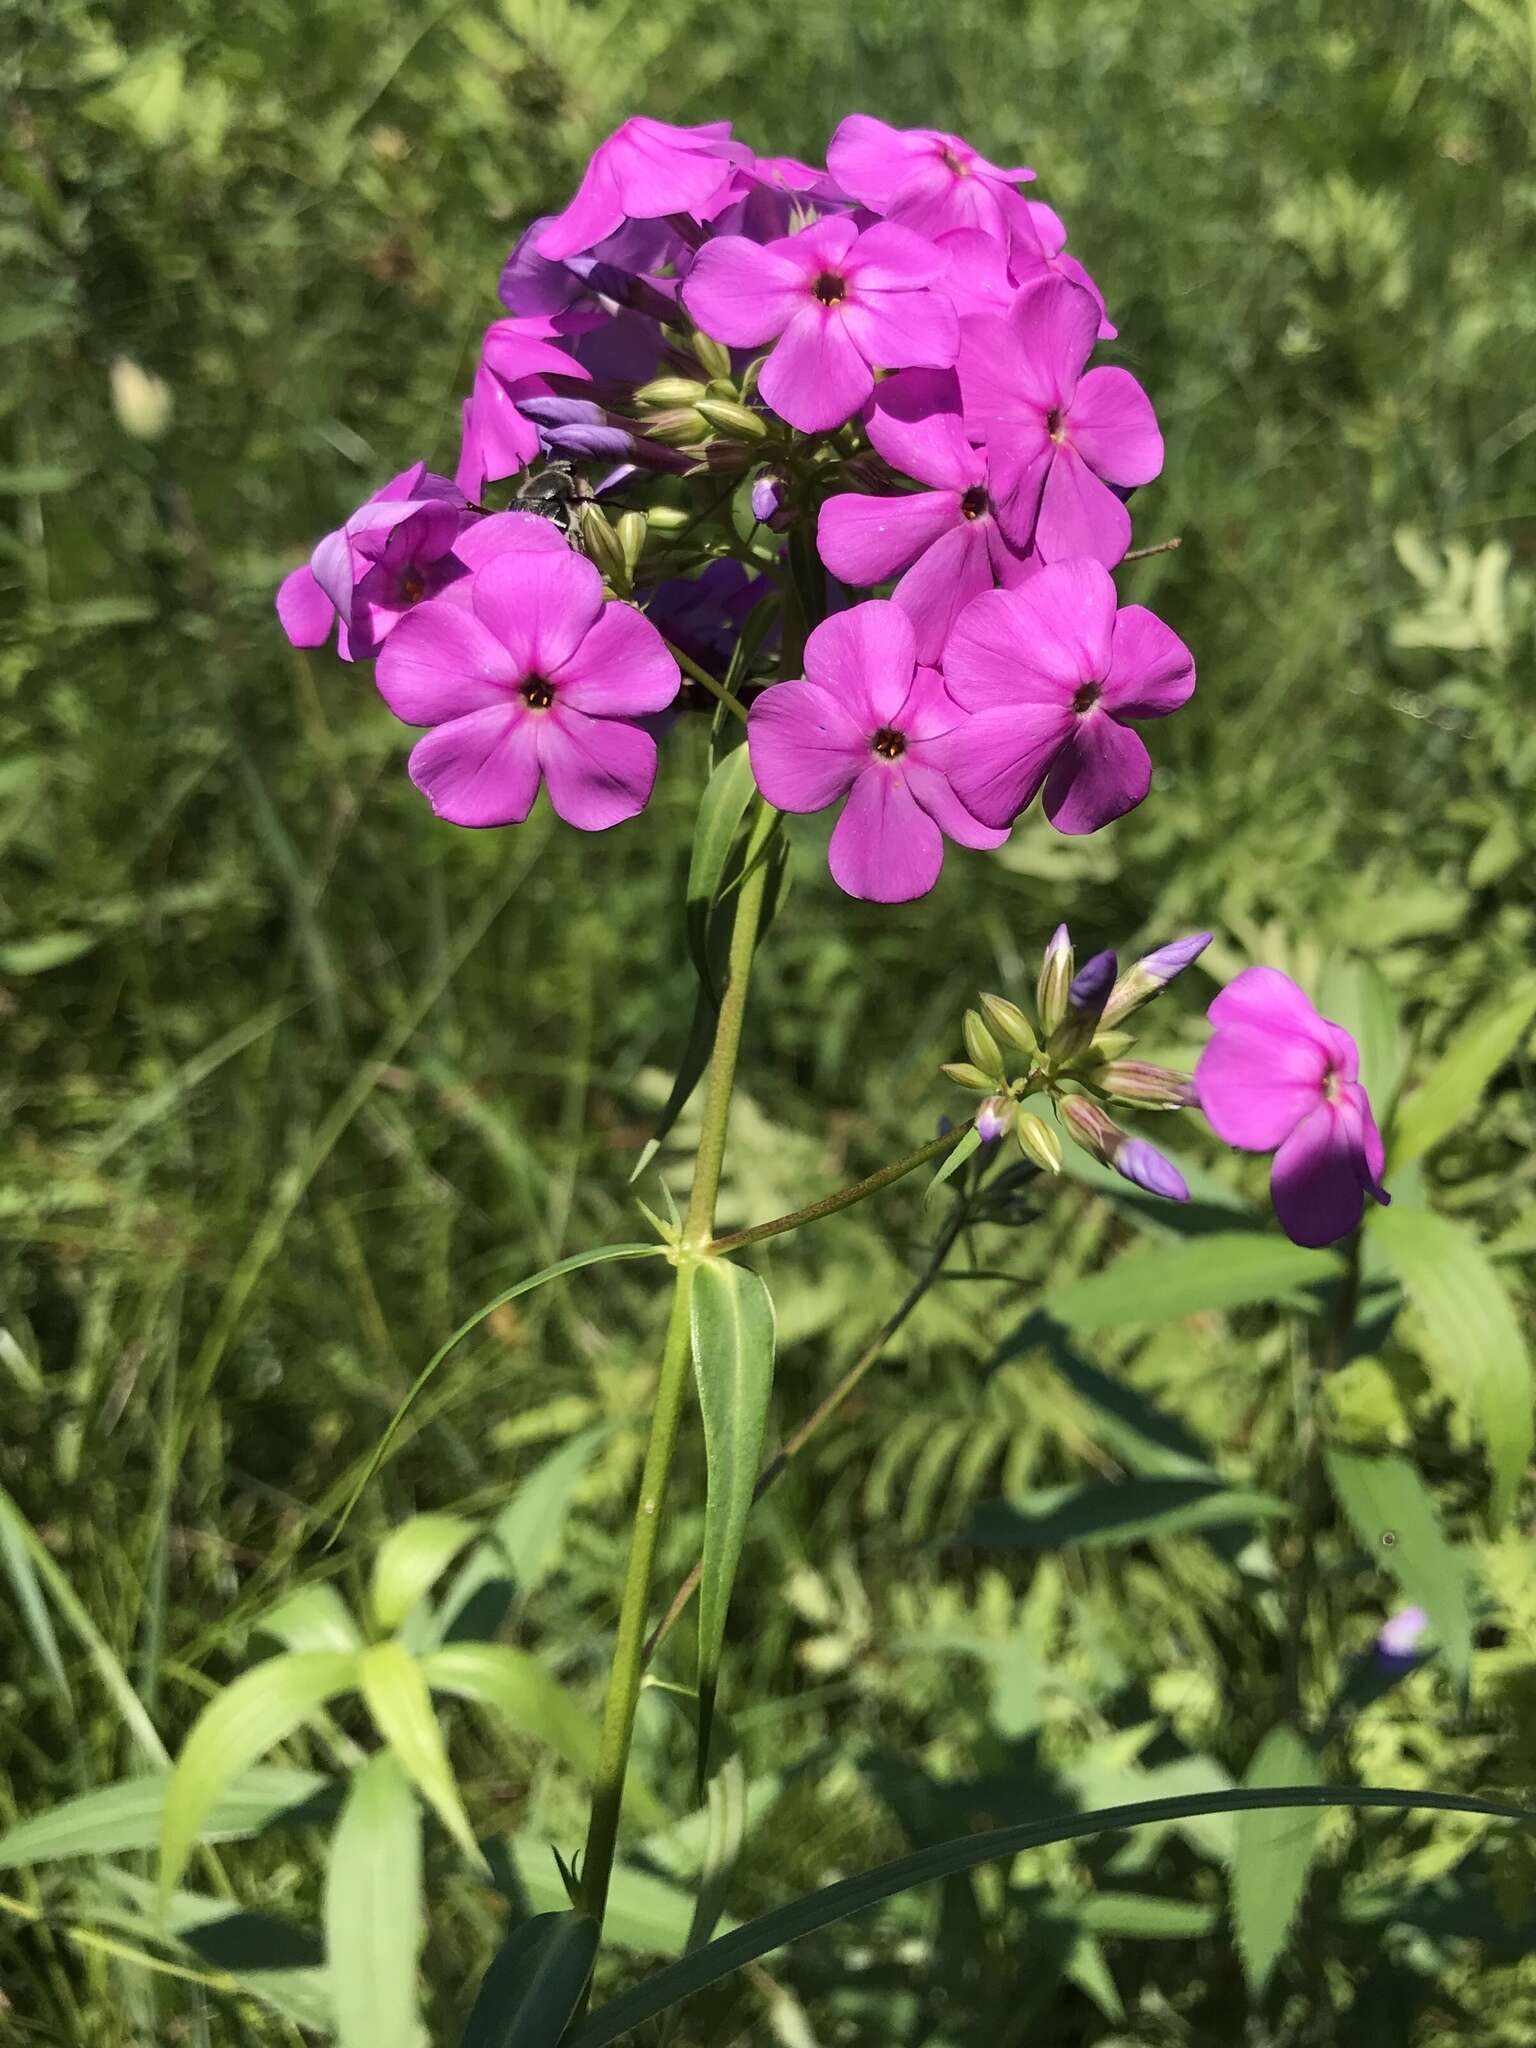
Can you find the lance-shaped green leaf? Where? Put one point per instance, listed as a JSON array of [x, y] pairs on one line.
[[731, 1319], [1471, 1338], [721, 809], [1156, 1283], [516, 1688], [113, 1819], [1273, 1855], [373, 1920], [314, 1618], [532, 1989], [1452, 1089], [521, 1547], [410, 1561], [392, 1684], [260, 1709], [1390, 1511], [952, 1162]]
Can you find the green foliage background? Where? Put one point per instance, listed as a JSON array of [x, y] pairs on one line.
[[296, 1077]]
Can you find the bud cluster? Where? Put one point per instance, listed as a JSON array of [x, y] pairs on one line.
[[1073, 1054]]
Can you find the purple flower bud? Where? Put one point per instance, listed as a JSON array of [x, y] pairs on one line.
[[1399, 1637], [1172, 959], [994, 1117], [768, 499], [1141, 1163], [1143, 1081], [1151, 975], [1088, 1126], [1092, 983]]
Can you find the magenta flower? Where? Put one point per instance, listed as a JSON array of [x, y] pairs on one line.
[[499, 436], [645, 170], [1059, 439], [533, 678], [945, 542], [1051, 672], [986, 275], [1277, 1077], [868, 724], [835, 302], [920, 177], [396, 549]]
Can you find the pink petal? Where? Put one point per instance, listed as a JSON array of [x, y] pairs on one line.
[[977, 280], [999, 382], [511, 352], [742, 293], [440, 663], [885, 848], [929, 714], [822, 245], [1114, 429], [869, 159], [915, 424], [864, 540], [622, 668], [806, 747], [815, 377], [897, 329], [888, 258], [998, 759], [1078, 514], [333, 567], [1256, 1086], [594, 211], [479, 770], [1371, 1154], [1316, 1181], [498, 441], [1151, 672], [539, 604], [1039, 643], [933, 790], [1102, 772], [1055, 324], [1020, 458], [500, 533], [1264, 999], [942, 582], [865, 657], [303, 609], [599, 771]]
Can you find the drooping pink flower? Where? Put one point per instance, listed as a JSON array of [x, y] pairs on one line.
[[835, 302], [1277, 1077], [920, 177], [1051, 672], [867, 723], [1059, 438], [944, 543], [644, 171], [499, 437], [397, 548], [533, 678], [986, 275]]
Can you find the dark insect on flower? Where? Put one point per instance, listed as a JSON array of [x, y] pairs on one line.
[[557, 493]]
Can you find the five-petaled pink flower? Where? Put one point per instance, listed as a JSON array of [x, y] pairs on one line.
[[645, 170], [868, 724], [921, 178], [945, 542], [836, 303], [1277, 1077], [526, 674], [1058, 438], [1050, 673]]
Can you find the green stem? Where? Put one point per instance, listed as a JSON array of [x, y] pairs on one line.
[[628, 1655], [706, 681], [844, 1197]]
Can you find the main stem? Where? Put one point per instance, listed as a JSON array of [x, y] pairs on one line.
[[698, 1228]]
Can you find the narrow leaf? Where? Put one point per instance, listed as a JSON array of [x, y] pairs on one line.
[[952, 1162], [34, 1609], [114, 1819], [395, 1690], [726, 796], [410, 1561], [1453, 1088], [260, 1709], [690, 1071], [1391, 1513], [522, 1546], [1274, 1854], [314, 1618], [531, 1991], [732, 1329], [373, 1918], [516, 1688], [1118, 1511], [1471, 1338], [1157, 1283]]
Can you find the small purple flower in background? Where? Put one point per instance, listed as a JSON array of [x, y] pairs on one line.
[[534, 678], [921, 178], [1051, 672], [397, 548], [645, 170], [1059, 439], [945, 542], [837, 304], [1397, 1642], [499, 437], [868, 724], [1277, 1077]]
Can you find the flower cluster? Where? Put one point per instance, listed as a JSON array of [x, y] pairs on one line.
[[720, 377]]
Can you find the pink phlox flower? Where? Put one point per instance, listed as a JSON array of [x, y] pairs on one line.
[[499, 438], [867, 724], [836, 303], [534, 678], [921, 178], [397, 548], [1051, 673], [944, 542], [1277, 1077], [644, 171], [772, 197], [986, 275], [1063, 442], [623, 269]]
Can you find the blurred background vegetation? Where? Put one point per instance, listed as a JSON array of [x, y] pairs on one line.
[[295, 1077]]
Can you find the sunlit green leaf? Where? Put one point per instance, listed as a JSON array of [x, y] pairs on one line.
[[314, 1618], [965, 1145], [1274, 1854], [116, 1818], [1451, 1090], [409, 1562], [373, 1918], [517, 1689], [392, 1684], [1156, 1283], [1392, 1515]]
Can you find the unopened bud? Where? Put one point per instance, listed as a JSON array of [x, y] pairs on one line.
[[665, 391], [679, 427], [1141, 1081], [1037, 1141], [1088, 1126], [712, 356], [1086, 996], [739, 421], [1152, 974], [602, 546], [768, 498], [994, 1117], [1009, 1022], [667, 518], [1145, 1166], [143, 402], [982, 1046], [967, 1076], [1055, 980], [632, 530]]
